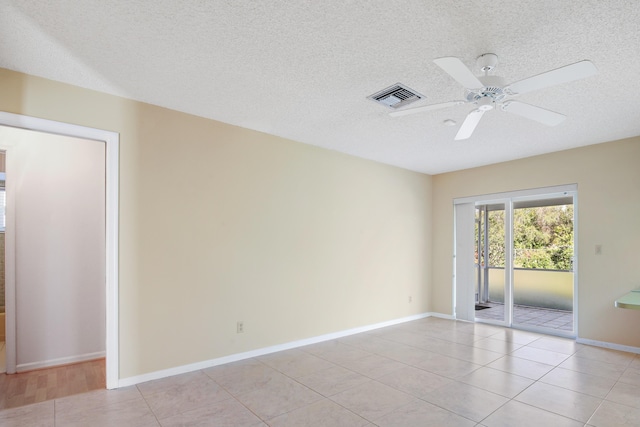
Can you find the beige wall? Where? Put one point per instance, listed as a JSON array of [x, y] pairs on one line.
[[220, 224], [608, 178]]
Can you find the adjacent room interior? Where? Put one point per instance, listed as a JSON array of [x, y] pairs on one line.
[[275, 221]]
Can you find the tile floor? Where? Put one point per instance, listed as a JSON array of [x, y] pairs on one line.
[[530, 316], [430, 372]]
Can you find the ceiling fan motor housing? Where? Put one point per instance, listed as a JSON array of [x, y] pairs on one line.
[[492, 90]]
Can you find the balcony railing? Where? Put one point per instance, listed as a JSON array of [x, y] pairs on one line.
[[535, 288]]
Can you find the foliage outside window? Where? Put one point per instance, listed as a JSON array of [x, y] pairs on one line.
[[542, 238]]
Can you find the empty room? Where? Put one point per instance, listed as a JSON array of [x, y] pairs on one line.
[[319, 213]]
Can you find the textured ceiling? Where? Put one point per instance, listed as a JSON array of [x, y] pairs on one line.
[[303, 69]]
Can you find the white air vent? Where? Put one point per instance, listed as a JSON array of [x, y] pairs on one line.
[[395, 96]]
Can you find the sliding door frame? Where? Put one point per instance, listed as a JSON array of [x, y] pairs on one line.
[[508, 199]]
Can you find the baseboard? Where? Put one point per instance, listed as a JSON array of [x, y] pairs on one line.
[[443, 316], [125, 382], [610, 345], [61, 361]]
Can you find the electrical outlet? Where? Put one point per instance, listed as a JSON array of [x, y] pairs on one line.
[[410, 298], [598, 250], [240, 327]]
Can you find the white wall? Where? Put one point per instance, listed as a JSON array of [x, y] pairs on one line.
[[58, 188]]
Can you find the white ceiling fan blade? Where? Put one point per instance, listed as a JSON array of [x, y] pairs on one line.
[[456, 69], [544, 116], [469, 124], [425, 108], [568, 73]]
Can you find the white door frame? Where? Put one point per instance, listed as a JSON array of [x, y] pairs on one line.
[[507, 198], [112, 142]]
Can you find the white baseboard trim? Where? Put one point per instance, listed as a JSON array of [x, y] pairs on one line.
[[609, 345], [125, 382], [443, 316], [61, 361]]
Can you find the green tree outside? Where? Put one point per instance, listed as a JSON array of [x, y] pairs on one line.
[[542, 238]]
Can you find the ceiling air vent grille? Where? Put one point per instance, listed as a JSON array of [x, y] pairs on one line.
[[395, 96]]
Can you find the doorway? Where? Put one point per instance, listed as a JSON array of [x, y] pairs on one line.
[[524, 260], [111, 143], [2, 275]]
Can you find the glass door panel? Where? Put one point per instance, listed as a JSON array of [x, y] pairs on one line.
[[490, 263], [543, 282]]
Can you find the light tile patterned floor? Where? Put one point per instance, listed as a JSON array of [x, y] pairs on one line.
[[530, 316], [429, 372]]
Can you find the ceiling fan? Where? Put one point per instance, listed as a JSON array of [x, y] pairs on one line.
[[488, 91]]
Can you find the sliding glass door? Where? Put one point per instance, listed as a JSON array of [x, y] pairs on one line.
[[524, 260], [543, 256]]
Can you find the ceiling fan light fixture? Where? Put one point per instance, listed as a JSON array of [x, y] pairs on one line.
[[485, 103]]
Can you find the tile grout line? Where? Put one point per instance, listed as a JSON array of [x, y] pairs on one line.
[[235, 397], [407, 365], [317, 392], [148, 405], [539, 381]]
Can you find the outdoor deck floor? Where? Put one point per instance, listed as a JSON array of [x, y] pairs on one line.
[[530, 316]]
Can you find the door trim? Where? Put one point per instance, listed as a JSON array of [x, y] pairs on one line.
[[533, 192], [518, 195], [112, 145]]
